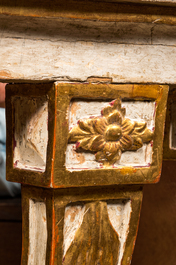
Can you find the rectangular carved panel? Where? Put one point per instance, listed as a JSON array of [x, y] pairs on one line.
[[98, 134], [30, 132], [136, 111]]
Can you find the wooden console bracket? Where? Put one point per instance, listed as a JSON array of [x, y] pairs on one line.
[[83, 152]]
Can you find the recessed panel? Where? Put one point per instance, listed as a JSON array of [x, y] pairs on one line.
[[37, 233], [30, 133], [89, 115]]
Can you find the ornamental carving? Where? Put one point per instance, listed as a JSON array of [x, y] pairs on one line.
[[96, 241], [110, 134]]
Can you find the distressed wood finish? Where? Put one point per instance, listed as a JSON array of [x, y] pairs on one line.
[[59, 96], [75, 50], [88, 213], [56, 202], [99, 10], [77, 220], [122, 126]]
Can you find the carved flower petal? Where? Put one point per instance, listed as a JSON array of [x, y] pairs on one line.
[[116, 104], [107, 110], [100, 156], [97, 143], [93, 143], [112, 150], [146, 135], [111, 147], [86, 125], [139, 127], [114, 117], [77, 134], [84, 143], [127, 126], [117, 156], [100, 125], [137, 143], [125, 142], [123, 112]]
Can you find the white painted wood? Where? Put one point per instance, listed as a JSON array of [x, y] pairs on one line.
[[119, 215], [31, 133], [37, 233], [64, 49], [135, 110], [72, 221]]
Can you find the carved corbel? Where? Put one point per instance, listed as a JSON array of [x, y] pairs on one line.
[[83, 153]]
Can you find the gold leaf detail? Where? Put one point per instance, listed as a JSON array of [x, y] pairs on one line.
[[96, 241], [111, 134]]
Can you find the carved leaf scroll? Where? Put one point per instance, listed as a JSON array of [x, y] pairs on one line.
[[110, 134]]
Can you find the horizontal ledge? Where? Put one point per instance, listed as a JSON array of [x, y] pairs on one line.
[[93, 10], [78, 61]]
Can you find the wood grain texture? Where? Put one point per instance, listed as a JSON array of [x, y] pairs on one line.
[[101, 10], [157, 222], [37, 233], [56, 201], [60, 95], [74, 49], [95, 242]]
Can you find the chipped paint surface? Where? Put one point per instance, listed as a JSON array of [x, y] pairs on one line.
[[72, 221], [37, 233], [135, 110], [119, 212], [30, 133], [119, 215]]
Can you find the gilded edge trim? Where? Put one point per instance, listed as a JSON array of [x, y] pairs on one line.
[[126, 175], [104, 11], [29, 90]]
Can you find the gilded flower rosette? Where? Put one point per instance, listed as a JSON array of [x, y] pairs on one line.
[[110, 135]]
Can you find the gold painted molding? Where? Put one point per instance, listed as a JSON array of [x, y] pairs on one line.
[[93, 10]]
